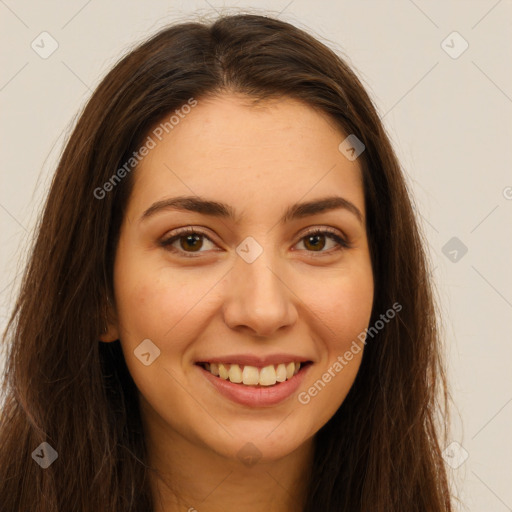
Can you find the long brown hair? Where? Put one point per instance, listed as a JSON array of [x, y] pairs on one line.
[[379, 452]]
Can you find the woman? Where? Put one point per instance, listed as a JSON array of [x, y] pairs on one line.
[[228, 303]]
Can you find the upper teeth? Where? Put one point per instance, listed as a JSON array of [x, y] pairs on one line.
[[251, 375]]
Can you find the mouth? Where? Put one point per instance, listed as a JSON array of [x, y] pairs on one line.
[[253, 376]]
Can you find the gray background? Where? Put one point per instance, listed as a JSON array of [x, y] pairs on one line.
[[448, 118]]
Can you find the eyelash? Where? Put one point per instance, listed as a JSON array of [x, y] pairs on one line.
[[331, 233]]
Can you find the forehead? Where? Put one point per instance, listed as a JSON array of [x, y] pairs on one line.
[[275, 151]]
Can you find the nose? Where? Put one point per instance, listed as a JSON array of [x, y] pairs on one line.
[[259, 297]]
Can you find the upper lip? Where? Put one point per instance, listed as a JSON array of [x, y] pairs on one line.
[[254, 360]]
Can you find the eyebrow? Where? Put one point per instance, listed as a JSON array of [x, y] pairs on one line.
[[221, 210]]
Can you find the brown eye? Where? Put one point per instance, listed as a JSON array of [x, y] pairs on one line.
[[316, 241], [190, 241]]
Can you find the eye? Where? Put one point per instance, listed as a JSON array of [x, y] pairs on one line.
[[191, 241], [315, 241]]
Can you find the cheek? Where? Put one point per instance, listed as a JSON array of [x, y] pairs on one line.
[[150, 298], [345, 312], [342, 306], [159, 303], [325, 391], [154, 305]]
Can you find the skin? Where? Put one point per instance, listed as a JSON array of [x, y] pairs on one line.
[[291, 299]]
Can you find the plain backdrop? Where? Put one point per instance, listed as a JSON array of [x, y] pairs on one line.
[[446, 101]]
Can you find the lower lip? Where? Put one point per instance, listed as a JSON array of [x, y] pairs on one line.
[[253, 396]]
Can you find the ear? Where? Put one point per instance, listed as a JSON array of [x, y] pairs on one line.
[[111, 331]]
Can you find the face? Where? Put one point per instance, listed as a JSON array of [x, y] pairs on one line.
[[246, 278]]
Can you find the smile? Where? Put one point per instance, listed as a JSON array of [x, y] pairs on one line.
[[255, 386], [252, 375]]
